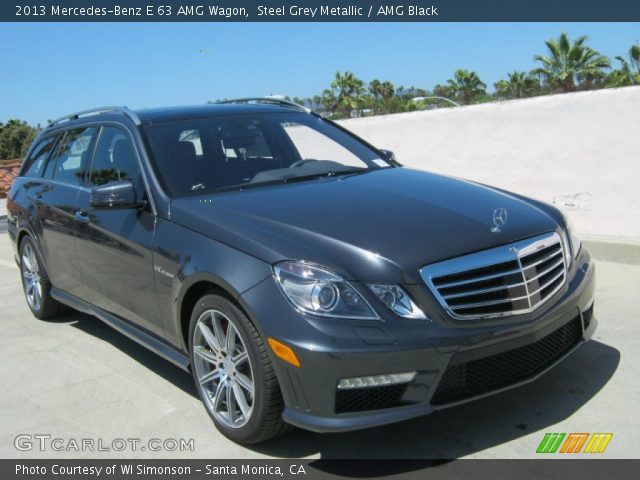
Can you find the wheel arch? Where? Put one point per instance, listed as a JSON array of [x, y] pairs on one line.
[[21, 234], [198, 287], [25, 232]]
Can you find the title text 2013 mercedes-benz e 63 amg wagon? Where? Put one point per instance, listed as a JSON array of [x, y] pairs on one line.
[[301, 275]]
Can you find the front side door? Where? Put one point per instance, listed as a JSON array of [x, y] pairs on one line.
[[115, 245], [56, 198]]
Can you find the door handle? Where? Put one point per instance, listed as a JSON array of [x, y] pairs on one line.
[[82, 216]]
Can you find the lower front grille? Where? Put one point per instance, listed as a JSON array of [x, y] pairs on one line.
[[464, 380], [372, 398]]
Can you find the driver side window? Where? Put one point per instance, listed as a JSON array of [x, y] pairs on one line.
[[115, 159]]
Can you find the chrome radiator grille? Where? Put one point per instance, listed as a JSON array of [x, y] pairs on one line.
[[507, 280]]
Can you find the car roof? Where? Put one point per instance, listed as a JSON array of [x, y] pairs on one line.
[[172, 114], [150, 116]]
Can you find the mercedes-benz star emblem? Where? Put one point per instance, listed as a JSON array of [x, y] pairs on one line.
[[499, 219]]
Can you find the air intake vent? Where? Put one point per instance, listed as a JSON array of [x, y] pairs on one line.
[[586, 316], [372, 398], [507, 280], [467, 379]]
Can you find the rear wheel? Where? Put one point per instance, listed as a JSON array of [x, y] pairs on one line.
[[233, 372], [36, 284]]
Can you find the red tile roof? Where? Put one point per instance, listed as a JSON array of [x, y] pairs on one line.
[[8, 171]]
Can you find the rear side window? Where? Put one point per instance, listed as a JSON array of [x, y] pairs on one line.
[[34, 165], [72, 156], [115, 159]]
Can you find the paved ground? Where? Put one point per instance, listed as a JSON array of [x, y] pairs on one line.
[[76, 378]]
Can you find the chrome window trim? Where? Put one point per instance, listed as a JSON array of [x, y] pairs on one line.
[[512, 252]]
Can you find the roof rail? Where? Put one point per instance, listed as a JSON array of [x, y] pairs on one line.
[[96, 111], [272, 100]]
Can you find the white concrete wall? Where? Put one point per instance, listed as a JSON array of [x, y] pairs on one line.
[[580, 151]]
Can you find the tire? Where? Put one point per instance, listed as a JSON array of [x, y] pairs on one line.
[[224, 379], [36, 283]]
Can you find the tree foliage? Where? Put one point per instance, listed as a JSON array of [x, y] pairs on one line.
[[15, 138], [629, 72], [517, 85], [345, 93], [570, 64], [466, 86]]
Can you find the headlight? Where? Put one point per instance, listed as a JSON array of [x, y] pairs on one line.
[[397, 300], [317, 291]]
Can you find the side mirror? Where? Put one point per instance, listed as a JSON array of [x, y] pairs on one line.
[[390, 157], [118, 194]]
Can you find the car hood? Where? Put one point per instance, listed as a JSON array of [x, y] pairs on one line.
[[381, 226]]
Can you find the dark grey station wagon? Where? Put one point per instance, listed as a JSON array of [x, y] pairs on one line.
[[302, 276]]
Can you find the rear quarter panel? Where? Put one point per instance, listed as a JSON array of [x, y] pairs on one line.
[[21, 212]]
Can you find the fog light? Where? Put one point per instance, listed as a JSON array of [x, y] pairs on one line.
[[376, 380]]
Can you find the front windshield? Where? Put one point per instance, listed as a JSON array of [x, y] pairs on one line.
[[218, 153]]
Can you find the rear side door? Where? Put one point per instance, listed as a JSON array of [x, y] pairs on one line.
[[56, 198], [115, 246]]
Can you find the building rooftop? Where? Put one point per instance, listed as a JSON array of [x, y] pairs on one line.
[[8, 171]]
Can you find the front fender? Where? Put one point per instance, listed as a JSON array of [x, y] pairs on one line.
[[184, 259]]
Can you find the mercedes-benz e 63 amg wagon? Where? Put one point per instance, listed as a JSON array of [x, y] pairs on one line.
[[302, 276]]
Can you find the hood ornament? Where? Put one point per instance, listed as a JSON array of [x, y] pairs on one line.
[[499, 219]]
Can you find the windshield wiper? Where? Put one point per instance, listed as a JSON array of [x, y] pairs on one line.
[[331, 173]]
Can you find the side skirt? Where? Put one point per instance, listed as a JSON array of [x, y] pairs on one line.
[[145, 339]]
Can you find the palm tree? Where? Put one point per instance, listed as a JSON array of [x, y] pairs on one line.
[[517, 85], [387, 90], [443, 91], [347, 90], [629, 71], [317, 100], [466, 85], [570, 64], [329, 100], [374, 88]]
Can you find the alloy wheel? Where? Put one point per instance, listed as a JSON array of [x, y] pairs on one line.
[[223, 369], [31, 277]]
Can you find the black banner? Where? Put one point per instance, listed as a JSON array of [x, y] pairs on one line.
[[591, 469], [320, 11]]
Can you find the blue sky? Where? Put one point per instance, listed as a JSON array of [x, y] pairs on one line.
[[51, 69]]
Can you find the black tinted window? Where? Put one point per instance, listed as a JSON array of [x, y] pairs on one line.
[[208, 154], [115, 159], [34, 165], [72, 156]]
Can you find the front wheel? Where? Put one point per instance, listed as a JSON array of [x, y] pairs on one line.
[[233, 372]]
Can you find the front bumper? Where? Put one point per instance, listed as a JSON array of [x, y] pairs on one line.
[[442, 351]]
